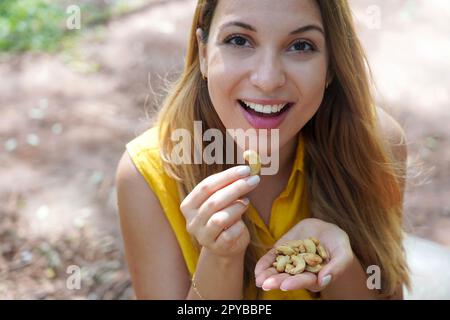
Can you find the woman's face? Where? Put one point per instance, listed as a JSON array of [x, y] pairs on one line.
[[266, 62]]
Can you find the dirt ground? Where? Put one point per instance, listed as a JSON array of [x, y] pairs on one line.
[[66, 117]]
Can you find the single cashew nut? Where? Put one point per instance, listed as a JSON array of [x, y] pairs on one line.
[[285, 250], [299, 264], [293, 243], [322, 252], [315, 269], [312, 259], [254, 161], [281, 263], [310, 246]]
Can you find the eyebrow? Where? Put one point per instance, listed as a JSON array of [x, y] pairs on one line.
[[249, 27]]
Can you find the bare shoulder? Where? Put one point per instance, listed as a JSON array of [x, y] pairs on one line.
[[157, 271], [127, 172], [132, 188], [393, 133]]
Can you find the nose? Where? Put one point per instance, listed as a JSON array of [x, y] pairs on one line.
[[268, 74]]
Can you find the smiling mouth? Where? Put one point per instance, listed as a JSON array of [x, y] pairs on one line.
[[265, 111]]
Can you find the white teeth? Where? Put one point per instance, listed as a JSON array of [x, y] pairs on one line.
[[267, 109]]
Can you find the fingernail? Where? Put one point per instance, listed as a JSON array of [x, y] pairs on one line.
[[253, 180], [282, 288], [245, 201], [243, 171], [265, 289], [326, 280]]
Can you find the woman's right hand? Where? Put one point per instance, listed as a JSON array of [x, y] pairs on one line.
[[213, 211]]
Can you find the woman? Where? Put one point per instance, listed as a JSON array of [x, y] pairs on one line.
[[204, 230]]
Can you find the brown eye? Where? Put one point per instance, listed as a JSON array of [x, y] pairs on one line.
[[303, 46], [236, 41]]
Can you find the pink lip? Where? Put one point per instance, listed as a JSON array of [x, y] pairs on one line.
[[258, 122]]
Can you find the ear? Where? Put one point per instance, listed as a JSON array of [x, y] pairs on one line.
[[202, 52]]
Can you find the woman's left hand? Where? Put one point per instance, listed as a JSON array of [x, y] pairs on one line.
[[335, 241]]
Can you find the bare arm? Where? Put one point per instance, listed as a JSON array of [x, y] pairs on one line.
[[157, 271], [154, 258], [218, 278]]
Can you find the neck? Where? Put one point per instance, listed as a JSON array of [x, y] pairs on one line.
[[287, 156]]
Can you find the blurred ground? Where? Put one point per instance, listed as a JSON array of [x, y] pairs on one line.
[[65, 119]]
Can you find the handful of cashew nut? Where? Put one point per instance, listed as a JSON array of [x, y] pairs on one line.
[[297, 256]]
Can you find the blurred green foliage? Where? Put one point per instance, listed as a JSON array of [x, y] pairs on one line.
[[36, 25], [40, 25]]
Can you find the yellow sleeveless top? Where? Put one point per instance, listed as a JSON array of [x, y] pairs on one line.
[[287, 210]]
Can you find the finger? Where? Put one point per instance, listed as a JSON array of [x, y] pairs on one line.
[[338, 263], [265, 262], [264, 275], [222, 220], [306, 280], [224, 197], [274, 282], [211, 184], [228, 238]]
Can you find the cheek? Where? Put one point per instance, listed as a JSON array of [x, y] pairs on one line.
[[308, 107], [310, 82], [310, 85], [222, 78], [219, 97]]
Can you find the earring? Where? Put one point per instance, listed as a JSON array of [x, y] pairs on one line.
[[204, 78]]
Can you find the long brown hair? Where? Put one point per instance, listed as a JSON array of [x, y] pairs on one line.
[[352, 179]]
